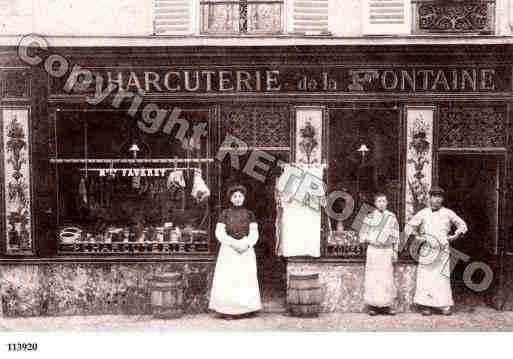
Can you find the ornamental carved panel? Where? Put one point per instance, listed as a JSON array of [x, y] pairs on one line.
[[472, 127], [238, 122], [16, 165], [15, 83], [273, 127], [257, 126], [455, 16]]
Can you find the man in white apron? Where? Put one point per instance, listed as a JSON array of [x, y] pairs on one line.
[[432, 226]]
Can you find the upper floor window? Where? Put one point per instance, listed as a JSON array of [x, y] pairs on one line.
[[242, 16], [323, 17], [386, 17]]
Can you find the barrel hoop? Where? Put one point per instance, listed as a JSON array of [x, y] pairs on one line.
[[164, 277], [303, 277], [166, 280], [305, 288], [178, 307], [165, 287]]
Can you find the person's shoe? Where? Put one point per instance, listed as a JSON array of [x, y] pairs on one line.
[[426, 312], [248, 315], [446, 311], [372, 312], [391, 311]]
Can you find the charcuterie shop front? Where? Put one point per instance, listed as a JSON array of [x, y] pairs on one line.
[[116, 161]]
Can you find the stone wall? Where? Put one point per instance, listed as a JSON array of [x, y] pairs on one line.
[[342, 284], [94, 288]]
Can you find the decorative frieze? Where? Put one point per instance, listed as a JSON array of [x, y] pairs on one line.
[[16, 163], [15, 83], [419, 158], [455, 16], [465, 126], [263, 127], [309, 136]]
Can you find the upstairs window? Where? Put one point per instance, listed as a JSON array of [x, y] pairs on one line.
[[242, 16], [173, 17], [386, 17], [310, 17]]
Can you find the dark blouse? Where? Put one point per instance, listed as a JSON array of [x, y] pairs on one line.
[[237, 220]]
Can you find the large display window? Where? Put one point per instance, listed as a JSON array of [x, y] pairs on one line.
[[124, 188], [364, 158]]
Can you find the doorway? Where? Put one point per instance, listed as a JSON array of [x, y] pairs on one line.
[[260, 199], [473, 183]]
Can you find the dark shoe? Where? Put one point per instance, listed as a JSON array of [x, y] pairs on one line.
[[426, 312], [446, 311], [248, 315], [372, 312], [391, 311], [226, 316]]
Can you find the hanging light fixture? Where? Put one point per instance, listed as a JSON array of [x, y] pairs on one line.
[[363, 150], [134, 149]]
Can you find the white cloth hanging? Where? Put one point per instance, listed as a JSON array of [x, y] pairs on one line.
[[299, 214], [82, 190], [200, 190], [175, 179]]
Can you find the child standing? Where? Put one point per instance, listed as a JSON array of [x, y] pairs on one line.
[[380, 230]]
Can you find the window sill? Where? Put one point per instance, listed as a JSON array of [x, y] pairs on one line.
[[111, 259]]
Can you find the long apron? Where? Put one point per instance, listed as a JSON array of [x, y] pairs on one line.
[[379, 286], [433, 277], [235, 287]]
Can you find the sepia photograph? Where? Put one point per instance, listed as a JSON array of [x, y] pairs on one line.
[[255, 166]]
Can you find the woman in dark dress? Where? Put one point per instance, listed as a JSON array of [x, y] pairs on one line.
[[235, 291]]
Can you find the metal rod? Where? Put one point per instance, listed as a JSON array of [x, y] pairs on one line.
[[127, 160]]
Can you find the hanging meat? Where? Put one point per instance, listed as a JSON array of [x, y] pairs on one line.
[[200, 191], [176, 179]]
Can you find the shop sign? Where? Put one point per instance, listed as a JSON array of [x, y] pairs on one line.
[[340, 79]]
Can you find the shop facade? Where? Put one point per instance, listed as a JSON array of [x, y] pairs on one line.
[[110, 179]]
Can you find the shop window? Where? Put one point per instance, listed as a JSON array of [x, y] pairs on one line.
[[364, 158], [454, 16], [241, 16], [122, 190]]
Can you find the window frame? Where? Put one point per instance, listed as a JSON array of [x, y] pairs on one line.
[[185, 249], [283, 17], [357, 251]]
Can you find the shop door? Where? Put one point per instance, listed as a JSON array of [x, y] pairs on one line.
[[473, 187], [260, 199]]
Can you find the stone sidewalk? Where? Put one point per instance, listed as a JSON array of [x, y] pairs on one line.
[[482, 319]]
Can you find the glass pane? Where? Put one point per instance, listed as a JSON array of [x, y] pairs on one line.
[[220, 17], [358, 174], [265, 17], [118, 194]]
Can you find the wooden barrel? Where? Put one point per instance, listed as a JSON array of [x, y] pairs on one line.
[[304, 295], [167, 295]]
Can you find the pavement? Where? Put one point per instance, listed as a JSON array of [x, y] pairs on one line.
[[480, 319]]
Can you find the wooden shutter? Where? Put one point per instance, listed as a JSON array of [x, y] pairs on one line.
[[310, 16], [386, 17], [174, 17]]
